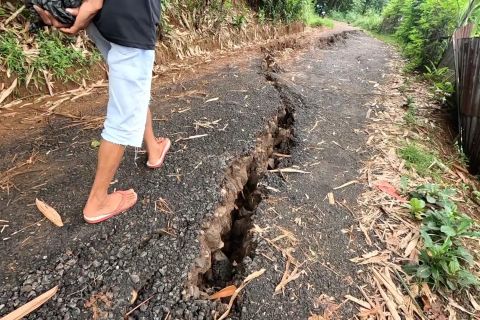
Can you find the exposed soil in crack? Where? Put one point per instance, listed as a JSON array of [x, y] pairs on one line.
[[227, 239]]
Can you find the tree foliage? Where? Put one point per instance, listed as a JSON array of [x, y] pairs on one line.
[[282, 10], [423, 27]]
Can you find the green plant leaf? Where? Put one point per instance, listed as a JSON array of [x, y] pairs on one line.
[[454, 266], [436, 275], [467, 279], [465, 255], [423, 272], [449, 231], [430, 199], [426, 238]]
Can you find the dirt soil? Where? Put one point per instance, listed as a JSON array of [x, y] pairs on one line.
[[259, 142]]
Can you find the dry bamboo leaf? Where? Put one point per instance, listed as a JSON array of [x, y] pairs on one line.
[[474, 303], [289, 170], [411, 245], [31, 306], [358, 301], [454, 304], [29, 77], [252, 276], [391, 306], [390, 287], [346, 184], [50, 213], [372, 257], [331, 198], [192, 137], [134, 297], [452, 315], [47, 77], [224, 293], [14, 15], [287, 277], [163, 205], [5, 93]]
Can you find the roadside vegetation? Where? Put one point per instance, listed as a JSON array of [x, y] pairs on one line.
[[50, 56], [421, 210], [434, 216]]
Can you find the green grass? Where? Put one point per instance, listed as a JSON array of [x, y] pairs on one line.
[[371, 21], [56, 55], [387, 38], [11, 54], [319, 22], [65, 61], [418, 158], [312, 19]]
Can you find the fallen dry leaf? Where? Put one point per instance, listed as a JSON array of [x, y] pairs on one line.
[[373, 257], [49, 212], [252, 276], [289, 170], [358, 301], [224, 293], [346, 184], [287, 277], [474, 303], [31, 306], [386, 187], [391, 305], [8, 91]]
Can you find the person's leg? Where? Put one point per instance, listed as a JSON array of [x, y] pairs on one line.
[[99, 202], [129, 94], [156, 148]]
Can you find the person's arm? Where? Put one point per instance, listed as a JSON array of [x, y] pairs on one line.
[[84, 14]]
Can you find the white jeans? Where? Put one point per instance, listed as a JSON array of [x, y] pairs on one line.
[[130, 81]]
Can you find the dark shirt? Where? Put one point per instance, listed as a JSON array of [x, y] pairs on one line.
[[129, 23]]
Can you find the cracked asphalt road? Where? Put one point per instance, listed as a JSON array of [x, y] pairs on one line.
[[213, 120]]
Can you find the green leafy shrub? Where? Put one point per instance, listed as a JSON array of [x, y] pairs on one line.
[[392, 16], [440, 80], [372, 21], [444, 260], [337, 15], [283, 10], [424, 27], [311, 18]]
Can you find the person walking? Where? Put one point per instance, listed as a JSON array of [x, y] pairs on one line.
[[124, 31]]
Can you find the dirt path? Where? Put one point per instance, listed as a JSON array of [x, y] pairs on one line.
[[229, 126]]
